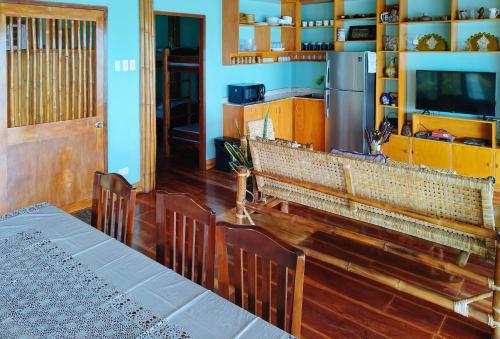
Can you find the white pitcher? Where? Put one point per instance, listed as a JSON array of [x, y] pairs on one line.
[[494, 13]]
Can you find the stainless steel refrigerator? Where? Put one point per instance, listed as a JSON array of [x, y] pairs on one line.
[[349, 100]]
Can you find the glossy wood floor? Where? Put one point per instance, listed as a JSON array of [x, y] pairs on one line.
[[337, 304]]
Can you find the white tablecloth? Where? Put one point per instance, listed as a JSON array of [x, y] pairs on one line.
[[168, 295]]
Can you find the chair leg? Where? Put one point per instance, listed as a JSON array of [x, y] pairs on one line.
[[463, 258], [284, 206], [496, 293]]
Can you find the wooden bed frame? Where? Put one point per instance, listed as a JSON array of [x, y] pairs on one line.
[[176, 64], [276, 189]]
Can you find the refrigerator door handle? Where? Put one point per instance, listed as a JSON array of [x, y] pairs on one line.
[[327, 103], [327, 80]]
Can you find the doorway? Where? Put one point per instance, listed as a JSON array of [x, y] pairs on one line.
[[180, 88]]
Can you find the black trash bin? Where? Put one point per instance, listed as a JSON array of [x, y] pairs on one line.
[[222, 156]]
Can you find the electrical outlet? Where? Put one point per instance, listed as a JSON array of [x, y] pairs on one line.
[[118, 66], [132, 65], [123, 171], [125, 65]]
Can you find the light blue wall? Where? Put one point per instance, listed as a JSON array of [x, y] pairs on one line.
[[122, 42]]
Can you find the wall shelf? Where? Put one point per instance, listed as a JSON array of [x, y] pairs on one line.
[[357, 19], [426, 22], [317, 27], [263, 36]]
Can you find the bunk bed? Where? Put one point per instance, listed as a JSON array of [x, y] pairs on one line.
[[178, 106]]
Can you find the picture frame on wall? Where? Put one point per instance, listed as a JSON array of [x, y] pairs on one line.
[[359, 33]]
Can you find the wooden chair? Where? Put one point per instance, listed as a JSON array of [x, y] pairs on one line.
[[186, 237], [258, 260], [113, 206]]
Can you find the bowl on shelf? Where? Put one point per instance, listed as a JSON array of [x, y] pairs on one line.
[[273, 20], [277, 49]]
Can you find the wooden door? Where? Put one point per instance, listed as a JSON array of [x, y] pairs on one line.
[[497, 168], [309, 122], [52, 125], [435, 154], [281, 113], [473, 161], [398, 148]]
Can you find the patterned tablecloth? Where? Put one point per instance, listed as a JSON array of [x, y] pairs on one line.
[[59, 277]]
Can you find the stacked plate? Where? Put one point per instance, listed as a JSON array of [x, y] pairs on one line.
[[247, 19]]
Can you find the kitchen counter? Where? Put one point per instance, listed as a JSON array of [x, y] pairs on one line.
[[287, 93]]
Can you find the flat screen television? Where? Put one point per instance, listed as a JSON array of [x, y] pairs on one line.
[[457, 92]]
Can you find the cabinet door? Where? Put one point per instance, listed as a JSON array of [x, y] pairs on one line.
[[398, 148], [309, 123], [473, 161], [497, 168], [436, 154], [281, 113]]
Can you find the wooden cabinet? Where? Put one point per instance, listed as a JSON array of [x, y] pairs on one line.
[[293, 119], [309, 122], [497, 167], [398, 148], [281, 113], [473, 161], [431, 153]]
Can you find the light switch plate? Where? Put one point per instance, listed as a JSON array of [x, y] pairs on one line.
[[125, 65], [118, 66], [132, 65]]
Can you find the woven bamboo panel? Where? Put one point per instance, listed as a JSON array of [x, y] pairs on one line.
[[429, 192], [50, 70]]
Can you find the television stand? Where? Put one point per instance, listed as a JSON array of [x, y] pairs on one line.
[[459, 127]]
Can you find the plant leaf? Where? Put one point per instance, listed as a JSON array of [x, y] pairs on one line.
[[266, 121]]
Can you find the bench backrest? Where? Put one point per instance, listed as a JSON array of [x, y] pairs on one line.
[[436, 194]]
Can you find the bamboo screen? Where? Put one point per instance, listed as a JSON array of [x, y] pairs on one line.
[[50, 70]]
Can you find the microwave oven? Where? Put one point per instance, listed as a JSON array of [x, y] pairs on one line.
[[245, 93]]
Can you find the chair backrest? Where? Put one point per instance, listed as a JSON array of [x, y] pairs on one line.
[[266, 259], [186, 237], [255, 128], [113, 206]]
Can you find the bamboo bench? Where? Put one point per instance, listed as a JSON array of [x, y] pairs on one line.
[[444, 208]]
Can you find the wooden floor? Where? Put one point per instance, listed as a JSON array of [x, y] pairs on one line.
[[337, 304]]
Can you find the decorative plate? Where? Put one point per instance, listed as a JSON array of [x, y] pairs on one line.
[[432, 42], [482, 42]]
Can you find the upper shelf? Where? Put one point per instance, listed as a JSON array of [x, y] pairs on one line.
[[357, 19]]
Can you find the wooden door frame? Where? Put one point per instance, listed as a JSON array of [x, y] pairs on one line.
[[202, 120], [101, 86]]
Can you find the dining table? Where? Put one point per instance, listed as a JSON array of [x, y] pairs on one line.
[[62, 278]]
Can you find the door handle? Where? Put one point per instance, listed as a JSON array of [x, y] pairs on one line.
[[327, 80], [327, 103], [99, 124]]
